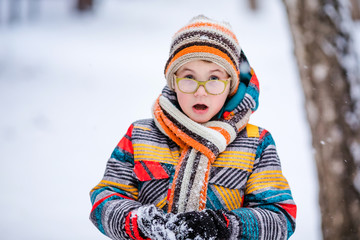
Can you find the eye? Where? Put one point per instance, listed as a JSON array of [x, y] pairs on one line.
[[189, 76], [213, 78]]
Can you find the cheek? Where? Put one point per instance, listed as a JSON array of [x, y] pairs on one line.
[[183, 99], [219, 102]]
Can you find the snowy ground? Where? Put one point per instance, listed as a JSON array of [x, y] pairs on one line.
[[70, 86]]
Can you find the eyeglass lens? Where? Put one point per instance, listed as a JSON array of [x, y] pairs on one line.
[[212, 86]]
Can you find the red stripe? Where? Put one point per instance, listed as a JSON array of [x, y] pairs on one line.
[[127, 226], [129, 131], [156, 170], [254, 80], [136, 229], [103, 199], [141, 173], [227, 220], [289, 208], [263, 134], [126, 144]]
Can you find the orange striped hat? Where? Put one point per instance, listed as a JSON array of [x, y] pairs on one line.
[[205, 39]]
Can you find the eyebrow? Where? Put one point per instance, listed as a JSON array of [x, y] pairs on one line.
[[187, 69], [217, 70]]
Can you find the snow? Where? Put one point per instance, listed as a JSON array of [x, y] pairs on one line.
[[71, 85]]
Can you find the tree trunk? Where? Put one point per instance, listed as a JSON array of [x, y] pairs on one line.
[[329, 72], [33, 9], [84, 5], [253, 4], [14, 11], [355, 9]]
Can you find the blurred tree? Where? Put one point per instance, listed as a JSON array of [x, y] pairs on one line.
[[33, 9], [14, 11], [253, 5], [355, 9], [322, 31], [84, 5]]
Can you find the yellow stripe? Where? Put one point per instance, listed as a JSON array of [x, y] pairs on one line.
[[155, 150], [284, 183], [278, 186], [117, 184], [232, 160], [230, 197], [270, 176], [252, 130], [234, 193], [282, 179], [140, 154], [222, 196], [139, 149], [232, 164], [265, 172], [236, 159], [149, 146], [145, 155], [150, 152], [156, 159], [133, 191], [238, 153], [143, 128], [239, 197], [124, 187], [130, 189], [162, 203]]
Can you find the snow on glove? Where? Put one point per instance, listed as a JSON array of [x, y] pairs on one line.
[[207, 224], [149, 222]]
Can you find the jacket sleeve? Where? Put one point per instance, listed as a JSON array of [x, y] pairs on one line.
[[116, 195], [269, 211]]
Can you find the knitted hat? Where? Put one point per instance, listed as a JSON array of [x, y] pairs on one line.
[[205, 39]]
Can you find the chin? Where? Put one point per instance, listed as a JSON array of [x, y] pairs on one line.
[[201, 120]]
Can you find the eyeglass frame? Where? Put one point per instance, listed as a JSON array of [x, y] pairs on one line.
[[201, 83]]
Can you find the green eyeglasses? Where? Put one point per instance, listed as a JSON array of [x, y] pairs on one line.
[[212, 87]]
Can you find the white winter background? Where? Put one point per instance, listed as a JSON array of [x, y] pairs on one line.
[[71, 85]]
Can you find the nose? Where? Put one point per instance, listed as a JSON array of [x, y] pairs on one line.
[[200, 92]]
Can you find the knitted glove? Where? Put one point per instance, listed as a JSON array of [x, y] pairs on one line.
[[148, 222], [207, 224]]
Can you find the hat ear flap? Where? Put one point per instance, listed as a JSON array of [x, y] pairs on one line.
[[234, 100]]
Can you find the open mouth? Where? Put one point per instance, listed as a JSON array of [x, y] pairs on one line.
[[200, 107]]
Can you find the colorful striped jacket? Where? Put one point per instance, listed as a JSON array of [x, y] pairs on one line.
[[246, 179]]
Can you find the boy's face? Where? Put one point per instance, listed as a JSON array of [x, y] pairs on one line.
[[201, 106]]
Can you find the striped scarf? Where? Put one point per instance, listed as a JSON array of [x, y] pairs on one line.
[[200, 145]]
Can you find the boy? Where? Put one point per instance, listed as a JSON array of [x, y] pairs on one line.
[[198, 169]]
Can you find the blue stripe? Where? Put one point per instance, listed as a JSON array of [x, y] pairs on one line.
[[98, 211], [269, 196], [119, 155], [248, 223], [267, 141], [111, 189], [212, 201], [254, 93]]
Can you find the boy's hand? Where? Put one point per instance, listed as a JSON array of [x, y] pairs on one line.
[[207, 224], [151, 222]]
